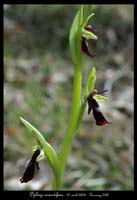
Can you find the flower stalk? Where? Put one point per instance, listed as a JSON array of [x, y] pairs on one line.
[[77, 109], [57, 162]]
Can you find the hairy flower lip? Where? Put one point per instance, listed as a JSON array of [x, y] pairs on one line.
[[30, 169], [84, 47]]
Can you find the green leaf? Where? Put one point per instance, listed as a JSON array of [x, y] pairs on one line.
[[100, 98], [72, 36], [80, 15], [91, 81], [89, 35], [49, 151]]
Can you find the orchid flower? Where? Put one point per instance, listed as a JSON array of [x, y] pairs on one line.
[[30, 170], [84, 42], [92, 104]]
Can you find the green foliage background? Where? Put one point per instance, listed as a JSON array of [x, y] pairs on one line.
[[38, 75]]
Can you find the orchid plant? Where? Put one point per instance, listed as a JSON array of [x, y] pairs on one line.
[[79, 35]]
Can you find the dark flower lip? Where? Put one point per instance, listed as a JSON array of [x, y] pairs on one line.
[[84, 47], [101, 123], [30, 170], [100, 119], [92, 104]]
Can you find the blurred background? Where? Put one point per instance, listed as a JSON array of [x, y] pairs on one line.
[[38, 77]]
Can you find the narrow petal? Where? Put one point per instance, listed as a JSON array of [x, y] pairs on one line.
[[84, 47]]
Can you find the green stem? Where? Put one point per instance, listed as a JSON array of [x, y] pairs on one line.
[[76, 98], [70, 133], [81, 112], [68, 139]]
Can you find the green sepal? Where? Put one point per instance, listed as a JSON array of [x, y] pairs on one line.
[[100, 98], [88, 35]]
